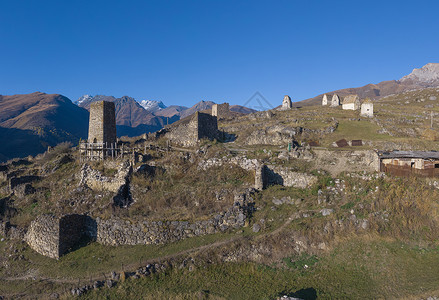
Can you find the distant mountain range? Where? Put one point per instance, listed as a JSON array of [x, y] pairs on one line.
[[135, 118], [425, 77], [30, 123]]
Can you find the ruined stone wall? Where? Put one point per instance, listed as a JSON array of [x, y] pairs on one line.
[[54, 236], [96, 181], [43, 235], [284, 176], [220, 110], [116, 231], [102, 125], [339, 161]]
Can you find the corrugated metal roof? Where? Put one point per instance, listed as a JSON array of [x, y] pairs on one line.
[[409, 154]]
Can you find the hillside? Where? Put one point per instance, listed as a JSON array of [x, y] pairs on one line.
[[424, 77], [31, 122], [322, 223]]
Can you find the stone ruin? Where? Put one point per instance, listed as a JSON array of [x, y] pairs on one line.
[[367, 108], [188, 132], [325, 100], [335, 101], [54, 236], [221, 110], [286, 103], [102, 138]]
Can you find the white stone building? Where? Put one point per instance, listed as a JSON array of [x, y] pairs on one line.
[[325, 100], [335, 101], [351, 102], [367, 108], [286, 103]]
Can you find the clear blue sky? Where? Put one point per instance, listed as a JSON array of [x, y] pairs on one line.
[[182, 52]]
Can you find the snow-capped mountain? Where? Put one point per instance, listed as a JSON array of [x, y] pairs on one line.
[[151, 105], [83, 99]]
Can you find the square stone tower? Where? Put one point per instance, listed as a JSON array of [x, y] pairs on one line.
[[102, 125], [220, 110]]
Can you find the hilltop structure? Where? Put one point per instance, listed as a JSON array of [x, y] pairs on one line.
[[351, 102], [335, 101], [221, 110], [325, 100], [102, 137], [189, 131], [286, 103], [367, 108]]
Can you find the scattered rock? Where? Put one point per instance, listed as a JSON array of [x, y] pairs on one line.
[[326, 211]]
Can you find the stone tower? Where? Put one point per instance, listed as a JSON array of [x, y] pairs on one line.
[[102, 125], [325, 100], [221, 110], [286, 103]]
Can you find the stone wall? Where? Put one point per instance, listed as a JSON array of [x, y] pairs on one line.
[[264, 175], [286, 177], [102, 125], [96, 181], [339, 161], [116, 231], [43, 235], [54, 236]]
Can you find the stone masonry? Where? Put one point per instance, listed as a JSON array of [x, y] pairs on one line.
[[221, 110], [102, 125], [54, 236], [188, 132]]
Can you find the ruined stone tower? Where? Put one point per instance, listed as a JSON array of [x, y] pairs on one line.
[[220, 110], [102, 125]]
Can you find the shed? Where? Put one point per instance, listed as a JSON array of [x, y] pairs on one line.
[[342, 143], [407, 163]]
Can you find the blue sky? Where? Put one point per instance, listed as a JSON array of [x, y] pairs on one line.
[[182, 52]]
